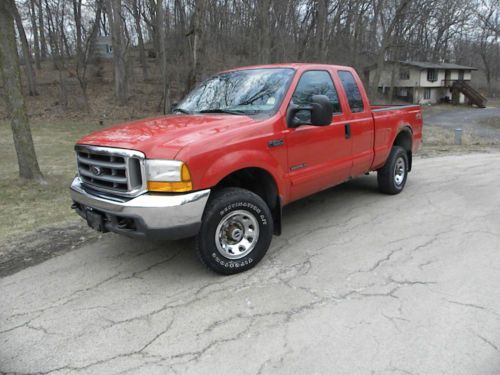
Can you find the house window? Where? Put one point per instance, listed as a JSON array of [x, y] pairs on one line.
[[431, 75], [404, 75], [427, 93]]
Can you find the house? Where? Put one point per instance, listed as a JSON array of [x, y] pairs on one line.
[[425, 82], [103, 47]]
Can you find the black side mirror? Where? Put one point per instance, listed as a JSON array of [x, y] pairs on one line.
[[321, 112]]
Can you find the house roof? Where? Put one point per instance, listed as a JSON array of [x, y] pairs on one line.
[[430, 65], [427, 65]]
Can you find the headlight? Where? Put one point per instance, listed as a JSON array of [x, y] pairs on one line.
[[168, 176]]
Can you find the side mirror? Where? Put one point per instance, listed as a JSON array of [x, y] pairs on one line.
[[321, 112]]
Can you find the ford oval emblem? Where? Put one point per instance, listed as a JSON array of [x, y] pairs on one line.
[[95, 170]]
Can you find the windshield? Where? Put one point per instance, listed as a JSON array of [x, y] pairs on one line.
[[250, 91]]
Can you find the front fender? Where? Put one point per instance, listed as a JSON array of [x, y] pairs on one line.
[[241, 159]]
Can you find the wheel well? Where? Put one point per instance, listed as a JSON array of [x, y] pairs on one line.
[[260, 182], [405, 139]]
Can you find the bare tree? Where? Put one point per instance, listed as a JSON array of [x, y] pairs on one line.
[[388, 25], [195, 35], [28, 64], [263, 23], [9, 69], [84, 45], [55, 28], [41, 29], [136, 13], [34, 29], [165, 84], [117, 27], [488, 38]]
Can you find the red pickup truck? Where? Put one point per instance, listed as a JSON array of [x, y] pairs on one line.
[[241, 146]]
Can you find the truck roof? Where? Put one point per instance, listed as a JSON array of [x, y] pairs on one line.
[[291, 65]]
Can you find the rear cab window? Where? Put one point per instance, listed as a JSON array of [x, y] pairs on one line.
[[352, 91], [314, 82]]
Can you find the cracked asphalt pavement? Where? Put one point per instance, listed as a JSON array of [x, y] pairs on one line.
[[359, 283]]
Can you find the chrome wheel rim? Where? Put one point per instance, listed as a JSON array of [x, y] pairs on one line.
[[237, 234], [399, 171]]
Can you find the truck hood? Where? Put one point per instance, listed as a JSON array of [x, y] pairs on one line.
[[163, 137]]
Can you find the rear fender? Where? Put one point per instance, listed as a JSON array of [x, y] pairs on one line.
[[405, 127]]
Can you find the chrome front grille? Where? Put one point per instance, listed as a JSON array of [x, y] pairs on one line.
[[111, 170]]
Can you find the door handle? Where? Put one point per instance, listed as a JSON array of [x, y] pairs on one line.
[[347, 131]]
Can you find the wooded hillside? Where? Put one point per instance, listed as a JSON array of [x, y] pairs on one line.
[[160, 48]]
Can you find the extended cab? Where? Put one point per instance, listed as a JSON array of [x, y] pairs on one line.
[[239, 147]]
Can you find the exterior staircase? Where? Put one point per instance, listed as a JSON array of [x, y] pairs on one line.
[[474, 96]]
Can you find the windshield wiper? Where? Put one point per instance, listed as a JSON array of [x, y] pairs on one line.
[[219, 110], [180, 110]]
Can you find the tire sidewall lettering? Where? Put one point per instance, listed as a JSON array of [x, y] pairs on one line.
[[231, 263], [245, 205]]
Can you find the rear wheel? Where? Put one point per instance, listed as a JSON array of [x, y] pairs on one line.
[[236, 231], [392, 176]]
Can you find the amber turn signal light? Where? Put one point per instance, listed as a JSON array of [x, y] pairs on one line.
[[170, 187], [173, 186]]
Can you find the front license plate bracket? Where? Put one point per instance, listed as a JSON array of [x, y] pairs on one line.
[[95, 220]]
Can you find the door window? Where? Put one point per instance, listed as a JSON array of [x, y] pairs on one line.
[[314, 82], [352, 91]]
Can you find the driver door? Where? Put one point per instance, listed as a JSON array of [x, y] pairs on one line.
[[318, 156]]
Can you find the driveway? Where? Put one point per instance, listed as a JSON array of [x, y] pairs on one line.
[[359, 283], [484, 122]]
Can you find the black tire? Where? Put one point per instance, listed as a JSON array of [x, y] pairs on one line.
[[390, 180], [227, 207]]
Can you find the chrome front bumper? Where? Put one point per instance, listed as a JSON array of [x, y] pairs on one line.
[[160, 216]]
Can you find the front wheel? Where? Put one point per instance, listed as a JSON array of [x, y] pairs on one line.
[[236, 231], [392, 176]]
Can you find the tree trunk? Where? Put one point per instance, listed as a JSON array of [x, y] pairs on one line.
[[43, 40], [160, 29], [28, 65], [114, 10], [197, 43], [84, 47], [9, 69], [57, 57], [77, 16], [34, 28], [138, 28], [321, 17], [264, 31]]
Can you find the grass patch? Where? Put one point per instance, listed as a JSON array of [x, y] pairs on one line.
[[437, 136], [491, 122], [438, 141], [26, 205]]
